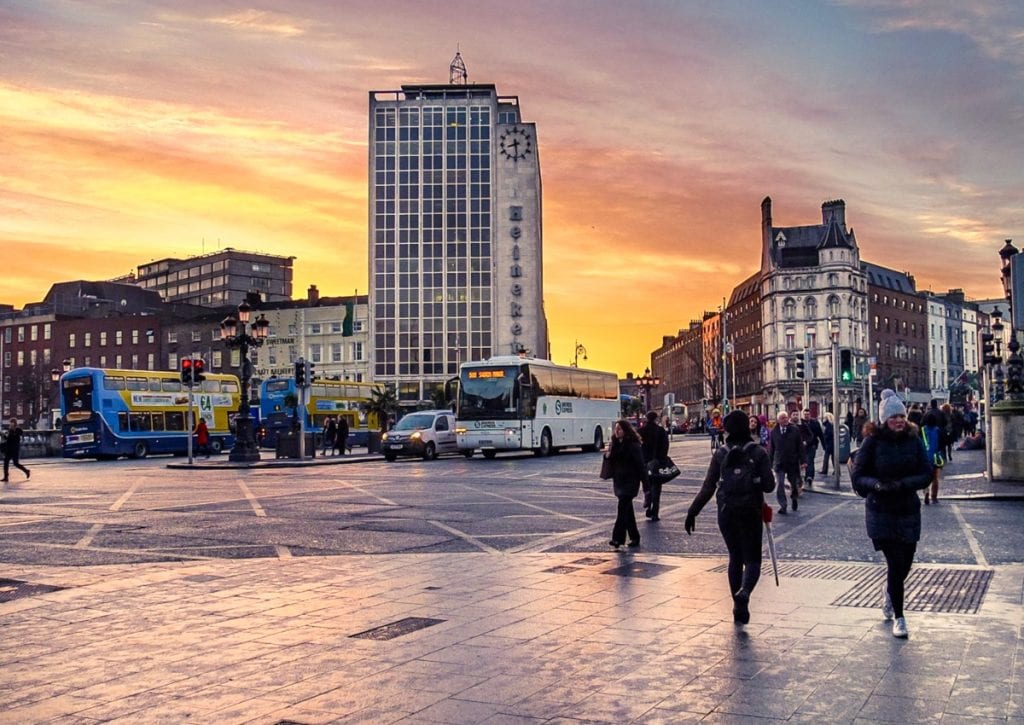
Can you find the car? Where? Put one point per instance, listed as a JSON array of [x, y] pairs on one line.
[[424, 433]]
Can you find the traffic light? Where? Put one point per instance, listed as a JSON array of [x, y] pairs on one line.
[[801, 365], [988, 348], [198, 370], [300, 373], [310, 372], [186, 371], [846, 365]]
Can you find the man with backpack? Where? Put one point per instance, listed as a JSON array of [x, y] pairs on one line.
[[786, 448], [739, 475]]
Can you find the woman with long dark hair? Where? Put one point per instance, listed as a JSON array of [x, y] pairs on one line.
[[739, 476], [626, 456], [890, 468]]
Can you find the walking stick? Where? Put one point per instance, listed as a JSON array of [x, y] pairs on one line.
[[766, 516]]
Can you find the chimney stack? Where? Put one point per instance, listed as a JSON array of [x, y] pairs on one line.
[[313, 295], [834, 211]]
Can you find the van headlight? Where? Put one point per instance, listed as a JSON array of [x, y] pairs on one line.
[[416, 436]]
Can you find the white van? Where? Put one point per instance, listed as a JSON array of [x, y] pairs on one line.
[[425, 433]]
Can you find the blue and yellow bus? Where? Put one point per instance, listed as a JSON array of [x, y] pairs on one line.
[[111, 413], [325, 398]]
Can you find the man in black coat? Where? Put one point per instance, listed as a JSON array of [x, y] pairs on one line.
[[812, 433], [786, 448], [654, 441]]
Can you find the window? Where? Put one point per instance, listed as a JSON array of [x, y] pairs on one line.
[[197, 336], [87, 339], [316, 353], [833, 306], [357, 352], [71, 339], [336, 352], [47, 331], [34, 333], [314, 328], [789, 309], [21, 334], [172, 336], [135, 337]]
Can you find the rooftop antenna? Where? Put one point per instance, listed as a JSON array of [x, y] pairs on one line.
[[457, 75]]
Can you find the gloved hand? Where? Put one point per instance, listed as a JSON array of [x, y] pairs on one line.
[[690, 524], [887, 487]]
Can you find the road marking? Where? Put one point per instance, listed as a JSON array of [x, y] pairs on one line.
[[962, 476], [813, 519], [86, 540], [365, 492], [972, 542], [283, 552], [127, 495], [252, 499], [552, 512], [465, 537]]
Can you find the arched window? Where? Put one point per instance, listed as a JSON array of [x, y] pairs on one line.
[[810, 309], [833, 279], [833, 305], [789, 309]]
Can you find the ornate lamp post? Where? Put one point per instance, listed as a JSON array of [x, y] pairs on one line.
[[576, 356], [1014, 363], [233, 334], [645, 383]]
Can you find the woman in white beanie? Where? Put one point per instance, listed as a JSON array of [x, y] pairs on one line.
[[890, 468]]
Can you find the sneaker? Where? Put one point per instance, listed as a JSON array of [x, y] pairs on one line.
[[783, 511], [634, 544], [899, 628], [614, 544], [886, 603], [741, 608]]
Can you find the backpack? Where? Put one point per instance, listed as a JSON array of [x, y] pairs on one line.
[[739, 485]]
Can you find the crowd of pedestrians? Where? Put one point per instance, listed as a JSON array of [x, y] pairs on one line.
[[898, 454]]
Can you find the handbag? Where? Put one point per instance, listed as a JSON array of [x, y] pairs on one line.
[[664, 471], [606, 468]]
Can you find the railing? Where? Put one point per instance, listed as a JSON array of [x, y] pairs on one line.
[[40, 444]]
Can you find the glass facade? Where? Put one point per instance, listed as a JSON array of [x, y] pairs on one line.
[[431, 241]]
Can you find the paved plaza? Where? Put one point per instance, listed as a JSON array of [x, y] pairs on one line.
[[496, 636]]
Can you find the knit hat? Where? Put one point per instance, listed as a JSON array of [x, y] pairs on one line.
[[890, 405], [737, 426]]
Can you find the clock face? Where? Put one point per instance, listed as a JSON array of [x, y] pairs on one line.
[[515, 143]]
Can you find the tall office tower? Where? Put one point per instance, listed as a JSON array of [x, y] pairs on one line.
[[454, 233]]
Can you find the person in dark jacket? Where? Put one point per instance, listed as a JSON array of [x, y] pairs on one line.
[[858, 425], [810, 430], [12, 449], [890, 468], [341, 435], [628, 471], [654, 441], [740, 524], [786, 448], [330, 431]]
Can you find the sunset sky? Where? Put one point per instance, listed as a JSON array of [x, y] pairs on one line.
[[132, 130]]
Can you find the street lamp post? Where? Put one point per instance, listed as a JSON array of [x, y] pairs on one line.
[[1014, 362], [580, 350], [646, 382], [233, 334], [55, 374], [836, 468]]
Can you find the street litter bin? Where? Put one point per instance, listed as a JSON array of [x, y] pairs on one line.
[[373, 441], [844, 443], [288, 445]]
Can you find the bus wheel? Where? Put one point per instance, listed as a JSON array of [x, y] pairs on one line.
[[468, 454], [489, 454], [140, 450], [545, 444], [216, 445], [430, 452]]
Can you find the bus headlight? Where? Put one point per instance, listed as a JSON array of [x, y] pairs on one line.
[[460, 431]]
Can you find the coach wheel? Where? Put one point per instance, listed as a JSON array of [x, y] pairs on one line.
[[489, 454], [468, 454], [545, 443], [140, 450], [216, 445]]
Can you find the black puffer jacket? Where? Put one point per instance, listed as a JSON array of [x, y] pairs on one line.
[[889, 470], [628, 468]]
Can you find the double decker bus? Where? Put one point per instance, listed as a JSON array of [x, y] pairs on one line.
[[325, 398], [512, 403], [108, 413]]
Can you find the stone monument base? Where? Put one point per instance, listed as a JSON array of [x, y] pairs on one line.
[[1008, 441]]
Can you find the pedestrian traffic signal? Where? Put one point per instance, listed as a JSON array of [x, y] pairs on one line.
[[186, 371], [198, 370], [801, 365], [846, 365], [300, 373]]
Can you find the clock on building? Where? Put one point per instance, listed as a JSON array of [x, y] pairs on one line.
[[515, 143]]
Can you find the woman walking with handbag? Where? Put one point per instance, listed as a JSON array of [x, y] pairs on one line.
[[891, 467], [626, 459]]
